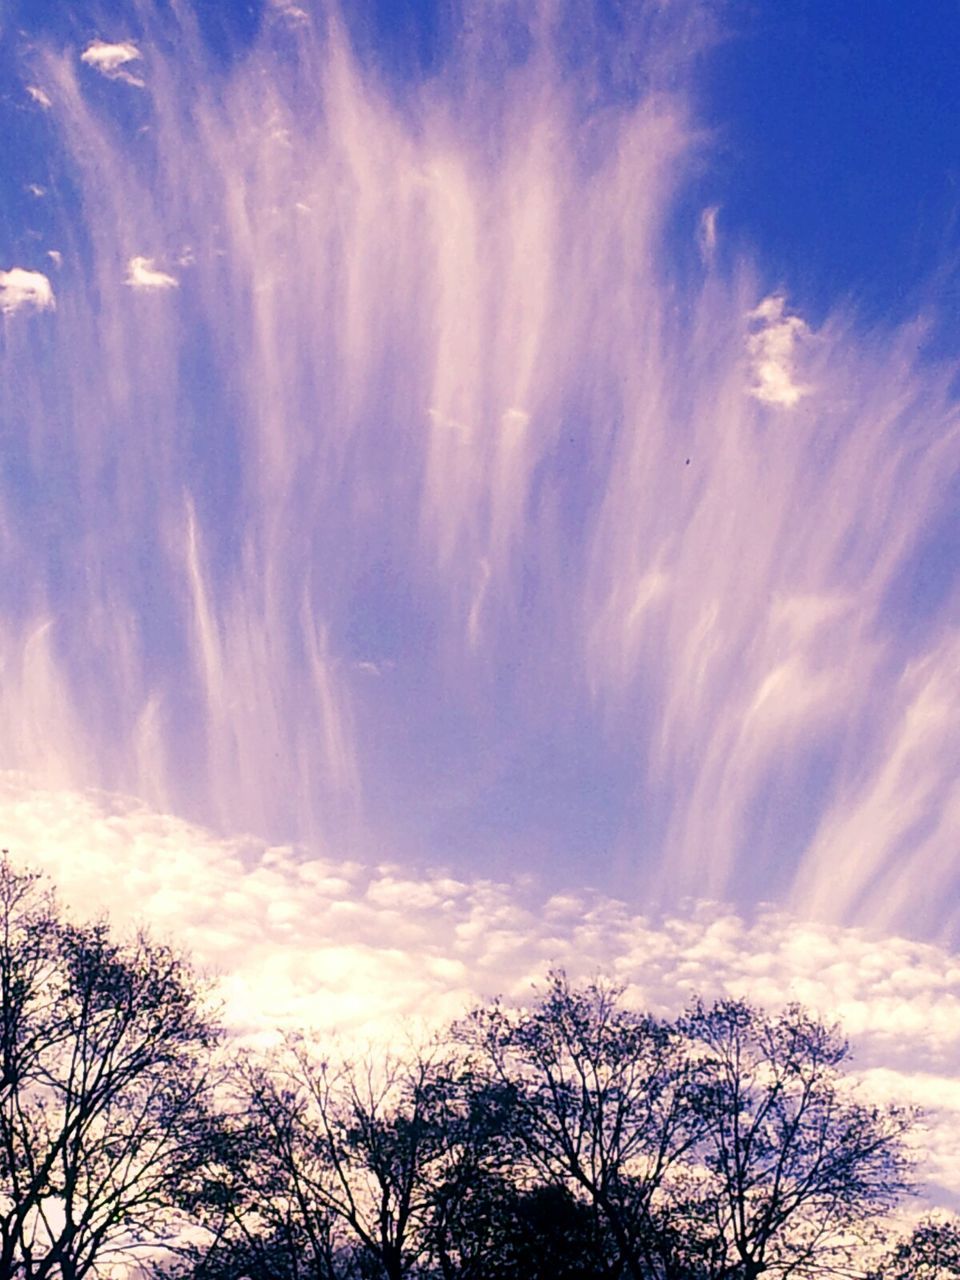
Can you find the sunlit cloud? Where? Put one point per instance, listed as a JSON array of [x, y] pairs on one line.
[[23, 289], [113, 60], [772, 347], [362, 953], [39, 96], [143, 274]]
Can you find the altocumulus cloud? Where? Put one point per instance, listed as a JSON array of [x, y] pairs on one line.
[[355, 951], [20, 288]]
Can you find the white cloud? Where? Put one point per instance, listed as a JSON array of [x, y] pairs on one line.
[[707, 232], [292, 12], [772, 348], [358, 952], [111, 60], [142, 274], [41, 98], [22, 288]]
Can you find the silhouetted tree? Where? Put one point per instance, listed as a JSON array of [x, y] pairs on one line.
[[726, 1146], [345, 1163], [795, 1169], [497, 1231], [104, 1100], [604, 1103], [930, 1252]]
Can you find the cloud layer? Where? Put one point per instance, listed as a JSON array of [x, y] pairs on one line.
[[366, 953], [440, 514]]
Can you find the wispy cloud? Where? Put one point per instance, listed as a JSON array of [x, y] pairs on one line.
[[113, 60], [707, 232], [23, 289], [653, 573]]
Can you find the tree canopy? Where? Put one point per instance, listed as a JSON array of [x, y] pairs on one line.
[[105, 1097], [575, 1138]]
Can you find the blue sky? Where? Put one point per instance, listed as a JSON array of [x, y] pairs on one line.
[[840, 163], [486, 457], [478, 491]]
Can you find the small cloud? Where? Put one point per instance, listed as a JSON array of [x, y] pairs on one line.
[[56, 257], [515, 419], [292, 12], [707, 232], [39, 97], [445, 423], [771, 348], [21, 288], [36, 190], [111, 60], [376, 669], [142, 274]]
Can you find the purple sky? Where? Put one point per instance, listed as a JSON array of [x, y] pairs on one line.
[[515, 447]]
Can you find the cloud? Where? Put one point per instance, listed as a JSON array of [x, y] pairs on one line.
[[626, 631], [359, 952], [20, 288], [39, 96], [112, 60], [142, 274], [707, 232], [292, 12], [772, 348]]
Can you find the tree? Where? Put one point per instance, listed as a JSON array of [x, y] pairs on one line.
[[344, 1165], [495, 1230], [104, 1088], [603, 1104], [795, 1168], [725, 1146], [930, 1252]]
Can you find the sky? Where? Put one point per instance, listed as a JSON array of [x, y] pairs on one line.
[[478, 489]]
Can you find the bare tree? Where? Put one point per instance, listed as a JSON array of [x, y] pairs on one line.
[[794, 1168], [930, 1252], [348, 1159], [726, 1146], [103, 1088], [602, 1102]]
